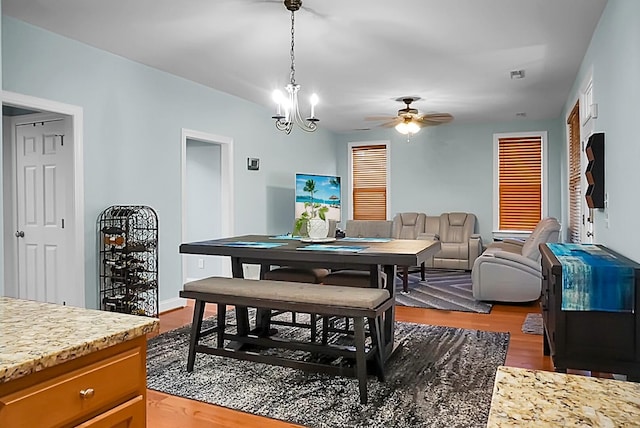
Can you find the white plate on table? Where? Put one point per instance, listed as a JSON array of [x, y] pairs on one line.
[[318, 240]]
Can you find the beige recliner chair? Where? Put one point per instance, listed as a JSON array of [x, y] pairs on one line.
[[409, 226], [459, 245], [510, 271]]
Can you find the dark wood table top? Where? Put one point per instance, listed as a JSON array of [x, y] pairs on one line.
[[399, 252]]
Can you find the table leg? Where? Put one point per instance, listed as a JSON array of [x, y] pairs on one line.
[[405, 279], [388, 329], [242, 314], [263, 316]]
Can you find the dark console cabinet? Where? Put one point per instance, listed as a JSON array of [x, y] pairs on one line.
[[588, 340]]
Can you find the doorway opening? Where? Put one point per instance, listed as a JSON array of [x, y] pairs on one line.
[[207, 202], [53, 268]]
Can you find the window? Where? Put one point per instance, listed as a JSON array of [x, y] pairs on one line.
[[575, 177], [369, 181], [519, 181]]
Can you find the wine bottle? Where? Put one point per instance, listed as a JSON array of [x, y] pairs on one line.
[[112, 230], [114, 240]]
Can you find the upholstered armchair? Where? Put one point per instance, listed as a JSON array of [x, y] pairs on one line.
[[360, 229], [510, 271], [298, 274], [459, 245]]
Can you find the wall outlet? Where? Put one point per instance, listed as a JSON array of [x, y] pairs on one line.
[[200, 263]]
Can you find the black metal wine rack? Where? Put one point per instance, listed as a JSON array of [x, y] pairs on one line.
[[128, 259]]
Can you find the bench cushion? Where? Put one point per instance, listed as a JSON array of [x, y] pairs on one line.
[[352, 297]]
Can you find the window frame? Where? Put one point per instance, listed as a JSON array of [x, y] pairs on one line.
[[579, 197], [497, 232], [353, 145]]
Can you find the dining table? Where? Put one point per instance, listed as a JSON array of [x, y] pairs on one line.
[[368, 254]]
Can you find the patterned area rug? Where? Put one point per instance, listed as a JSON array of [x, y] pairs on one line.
[[532, 324], [442, 377], [444, 289]]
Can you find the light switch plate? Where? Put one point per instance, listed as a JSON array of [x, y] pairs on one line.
[[253, 164]]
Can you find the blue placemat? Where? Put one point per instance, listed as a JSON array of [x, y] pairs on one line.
[[287, 236], [248, 244], [363, 239], [594, 279], [340, 248]]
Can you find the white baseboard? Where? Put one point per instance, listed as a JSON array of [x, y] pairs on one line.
[[175, 303]]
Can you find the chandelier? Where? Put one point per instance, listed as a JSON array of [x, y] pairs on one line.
[[288, 112]]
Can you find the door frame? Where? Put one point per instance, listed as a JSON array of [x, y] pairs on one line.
[[227, 202], [587, 128], [76, 247]]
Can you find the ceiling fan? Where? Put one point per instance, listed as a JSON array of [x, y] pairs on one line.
[[409, 121]]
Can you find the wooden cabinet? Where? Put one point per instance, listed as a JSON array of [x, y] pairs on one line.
[[588, 340], [127, 415], [104, 389]]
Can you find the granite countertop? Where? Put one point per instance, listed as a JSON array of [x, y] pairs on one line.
[[35, 335], [524, 397]]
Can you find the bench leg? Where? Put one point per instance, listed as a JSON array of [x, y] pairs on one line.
[[314, 326], [196, 325], [422, 271], [325, 329], [375, 329], [361, 359], [222, 323]]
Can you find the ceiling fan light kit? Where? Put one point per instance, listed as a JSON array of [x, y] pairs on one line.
[[287, 106], [408, 127]]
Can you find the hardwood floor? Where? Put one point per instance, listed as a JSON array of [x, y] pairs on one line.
[[525, 350]]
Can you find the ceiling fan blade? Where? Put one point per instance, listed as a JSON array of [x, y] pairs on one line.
[[380, 118], [436, 118], [392, 123]]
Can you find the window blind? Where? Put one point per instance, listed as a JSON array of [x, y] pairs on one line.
[[369, 167], [520, 182], [575, 191]]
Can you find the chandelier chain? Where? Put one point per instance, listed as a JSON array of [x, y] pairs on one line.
[[287, 108], [292, 76]]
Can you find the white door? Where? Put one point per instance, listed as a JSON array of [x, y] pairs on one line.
[[41, 180]]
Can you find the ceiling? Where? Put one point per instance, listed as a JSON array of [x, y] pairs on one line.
[[358, 55]]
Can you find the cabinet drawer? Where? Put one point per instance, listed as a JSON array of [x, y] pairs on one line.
[[71, 396], [131, 414]]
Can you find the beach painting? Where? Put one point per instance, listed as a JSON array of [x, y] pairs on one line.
[[324, 190]]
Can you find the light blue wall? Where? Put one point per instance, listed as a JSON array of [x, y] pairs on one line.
[[614, 57], [133, 116], [450, 167], [203, 210]]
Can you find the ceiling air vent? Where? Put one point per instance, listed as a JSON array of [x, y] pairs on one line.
[[517, 74]]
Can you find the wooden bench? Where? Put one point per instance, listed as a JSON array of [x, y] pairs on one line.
[[355, 303]]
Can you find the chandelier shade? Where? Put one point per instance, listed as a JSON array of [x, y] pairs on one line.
[[287, 106]]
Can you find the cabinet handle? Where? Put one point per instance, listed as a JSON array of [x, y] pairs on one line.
[[85, 394]]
